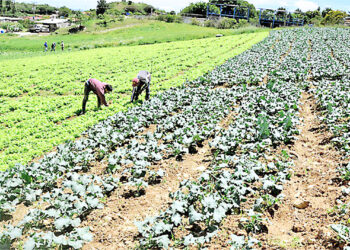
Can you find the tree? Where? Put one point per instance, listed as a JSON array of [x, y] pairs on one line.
[[8, 5], [102, 6], [281, 12], [311, 15], [326, 11], [13, 7], [334, 17], [64, 11], [199, 8]]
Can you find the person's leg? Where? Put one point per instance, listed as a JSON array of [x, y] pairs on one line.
[[86, 96], [138, 92], [98, 102]]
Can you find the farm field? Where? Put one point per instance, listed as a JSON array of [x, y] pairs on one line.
[[40, 108], [252, 154], [129, 32]]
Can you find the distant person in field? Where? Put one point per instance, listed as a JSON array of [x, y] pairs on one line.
[[53, 46], [141, 82], [62, 46], [99, 88], [45, 45]]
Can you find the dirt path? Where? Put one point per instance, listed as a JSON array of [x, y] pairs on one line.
[[311, 185]]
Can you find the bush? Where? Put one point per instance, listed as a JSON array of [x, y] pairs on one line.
[[242, 23], [194, 21], [121, 18], [12, 27], [210, 23], [76, 29], [169, 18], [26, 23], [227, 23]]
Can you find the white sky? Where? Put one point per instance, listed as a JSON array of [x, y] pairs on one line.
[[177, 5]]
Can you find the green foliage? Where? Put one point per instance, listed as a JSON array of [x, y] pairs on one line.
[[326, 11], [309, 15], [242, 3], [64, 11], [199, 8], [195, 21], [227, 23], [334, 17], [210, 23], [131, 7], [102, 7], [170, 18], [12, 27], [45, 109], [241, 24]]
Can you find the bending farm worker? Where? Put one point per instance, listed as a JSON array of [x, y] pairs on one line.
[[99, 88], [141, 82]]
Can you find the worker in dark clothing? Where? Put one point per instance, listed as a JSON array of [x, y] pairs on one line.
[[53, 46], [62, 46], [141, 82], [99, 88], [45, 45]]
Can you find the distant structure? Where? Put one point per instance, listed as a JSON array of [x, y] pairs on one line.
[[54, 24], [347, 20], [228, 10], [278, 18], [10, 19]]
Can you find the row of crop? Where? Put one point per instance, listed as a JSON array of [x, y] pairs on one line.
[[330, 75], [253, 65], [224, 188], [114, 65], [266, 118], [180, 132]]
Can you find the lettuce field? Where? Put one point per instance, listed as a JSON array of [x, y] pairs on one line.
[[41, 97], [252, 154]]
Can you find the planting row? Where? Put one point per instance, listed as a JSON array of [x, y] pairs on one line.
[[240, 171], [68, 196]]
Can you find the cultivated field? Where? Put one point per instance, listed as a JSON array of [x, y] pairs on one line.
[[41, 96], [253, 154]]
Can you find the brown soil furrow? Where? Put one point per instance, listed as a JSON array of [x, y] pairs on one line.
[[314, 172], [114, 227]]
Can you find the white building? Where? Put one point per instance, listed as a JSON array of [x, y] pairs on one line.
[[55, 24]]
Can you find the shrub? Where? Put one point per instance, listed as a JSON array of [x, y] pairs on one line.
[[242, 23], [12, 27], [210, 23], [227, 23], [195, 21], [169, 18]]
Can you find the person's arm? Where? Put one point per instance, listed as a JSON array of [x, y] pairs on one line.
[[102, 98]]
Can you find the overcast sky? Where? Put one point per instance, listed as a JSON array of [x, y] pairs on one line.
[[177, 5]]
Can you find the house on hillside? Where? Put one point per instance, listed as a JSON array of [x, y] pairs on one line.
[[347, 21], [55, 24], [9, 19]]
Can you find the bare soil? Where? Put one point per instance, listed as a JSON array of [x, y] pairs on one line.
[[314, 183]]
